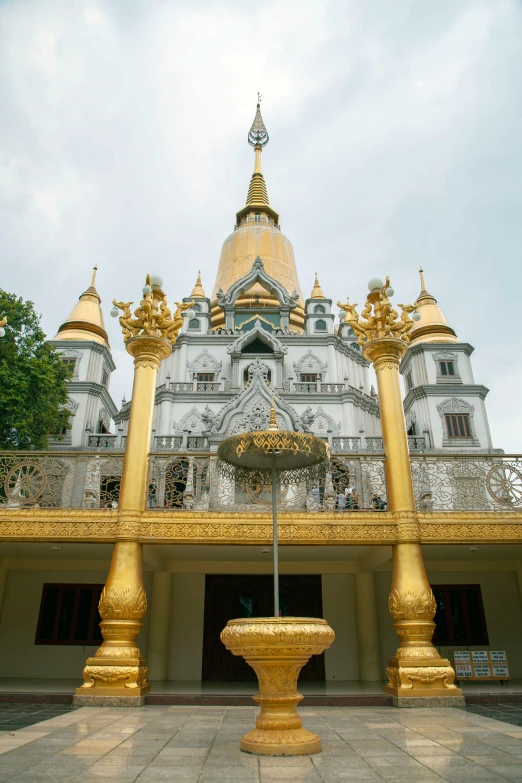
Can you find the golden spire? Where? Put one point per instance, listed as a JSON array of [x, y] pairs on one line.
[[257, 233], [432, 326], [317, 291], [198, 291], [273, 418], [85, 321], [257, 138]]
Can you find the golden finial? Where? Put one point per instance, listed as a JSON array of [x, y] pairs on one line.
[[258, 134], [93, 281], [153, 317], [317, 291], [378, 318], [273, 419], [423, 284], [198, 291]]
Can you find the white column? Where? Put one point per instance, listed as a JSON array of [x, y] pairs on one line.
[[159, 626], [367, 627]]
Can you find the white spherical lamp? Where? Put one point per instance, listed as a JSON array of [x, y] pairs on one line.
[[415, 316], [2, 331], [374, 283], [156, 281], [146, 289], [115, 312], [191, 314], [389, 291]]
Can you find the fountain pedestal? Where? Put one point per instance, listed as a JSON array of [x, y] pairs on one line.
[[277, 648]]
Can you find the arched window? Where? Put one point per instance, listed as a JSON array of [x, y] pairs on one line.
[[257, 217], [197, 308], [319, 309], [320, 325], [194, 323]]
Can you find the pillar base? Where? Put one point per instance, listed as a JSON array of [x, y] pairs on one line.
[[429, 679], [282, 742], [107, 701], [123, 679], [428, 701]]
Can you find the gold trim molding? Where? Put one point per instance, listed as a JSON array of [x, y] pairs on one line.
[[101, 525]]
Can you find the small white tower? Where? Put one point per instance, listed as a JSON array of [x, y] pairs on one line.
[[319, 318], [443, 403], [84, 347]]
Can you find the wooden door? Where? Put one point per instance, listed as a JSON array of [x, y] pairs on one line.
[[228, 597]]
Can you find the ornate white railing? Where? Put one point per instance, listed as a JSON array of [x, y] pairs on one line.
[[208, 387], [341, 445], [190, 480], [102, 441]]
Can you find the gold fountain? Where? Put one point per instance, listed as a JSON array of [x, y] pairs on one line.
[[276, 647]]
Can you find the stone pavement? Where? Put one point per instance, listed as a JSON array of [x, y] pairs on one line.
[[201, 744]]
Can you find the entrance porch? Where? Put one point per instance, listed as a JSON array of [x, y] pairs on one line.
[[193, 590]]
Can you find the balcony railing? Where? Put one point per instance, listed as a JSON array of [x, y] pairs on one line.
[[210, 387], [102, 441], [185, 480], [317, 387], [341, 445], [259, 219], [181, 442]]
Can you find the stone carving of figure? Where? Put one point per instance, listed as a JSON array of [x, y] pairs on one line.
[[208, 417], [307, 419]]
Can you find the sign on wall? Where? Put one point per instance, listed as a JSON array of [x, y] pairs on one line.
[[481, 665]]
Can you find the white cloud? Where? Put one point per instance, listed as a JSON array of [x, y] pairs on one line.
[[394, 142]]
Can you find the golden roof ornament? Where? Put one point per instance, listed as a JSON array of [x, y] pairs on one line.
[[198, 291], [272, 422], [378, 318], [432, 326], [258, 134], [85, 321], [153, 316], [317, 291]]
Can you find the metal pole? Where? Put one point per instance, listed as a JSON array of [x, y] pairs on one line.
[[276, 545]]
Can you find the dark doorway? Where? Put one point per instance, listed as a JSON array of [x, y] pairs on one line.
[[227, 597]]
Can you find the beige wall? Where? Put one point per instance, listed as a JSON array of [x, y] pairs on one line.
[[19, 655], [341, 660], [186, 626], [502, 608]]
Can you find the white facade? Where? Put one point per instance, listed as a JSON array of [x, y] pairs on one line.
[[91, 405], [433, 396]]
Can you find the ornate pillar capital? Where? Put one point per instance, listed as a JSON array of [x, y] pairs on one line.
[[384, 352], [148, 350]]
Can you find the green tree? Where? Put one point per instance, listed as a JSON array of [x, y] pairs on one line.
[[33, 387]]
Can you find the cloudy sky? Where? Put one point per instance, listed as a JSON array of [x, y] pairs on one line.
[[395, 134]]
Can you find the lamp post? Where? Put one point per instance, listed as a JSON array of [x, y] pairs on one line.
[[117, 673], [416, 674], [276, 647]]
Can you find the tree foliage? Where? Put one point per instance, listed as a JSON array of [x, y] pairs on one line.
[[33, 387]]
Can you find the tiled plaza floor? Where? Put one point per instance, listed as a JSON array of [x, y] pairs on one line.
[[201, 744]]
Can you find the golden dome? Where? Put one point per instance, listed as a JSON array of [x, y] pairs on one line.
[[257, 233], [85, 321], [432, 327], [317, 291], [198, 291]]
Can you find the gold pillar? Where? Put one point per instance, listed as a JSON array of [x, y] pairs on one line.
[[117, 673], [367, 628], [417, 670]]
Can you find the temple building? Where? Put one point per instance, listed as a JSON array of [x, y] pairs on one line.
[[260, 335]]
